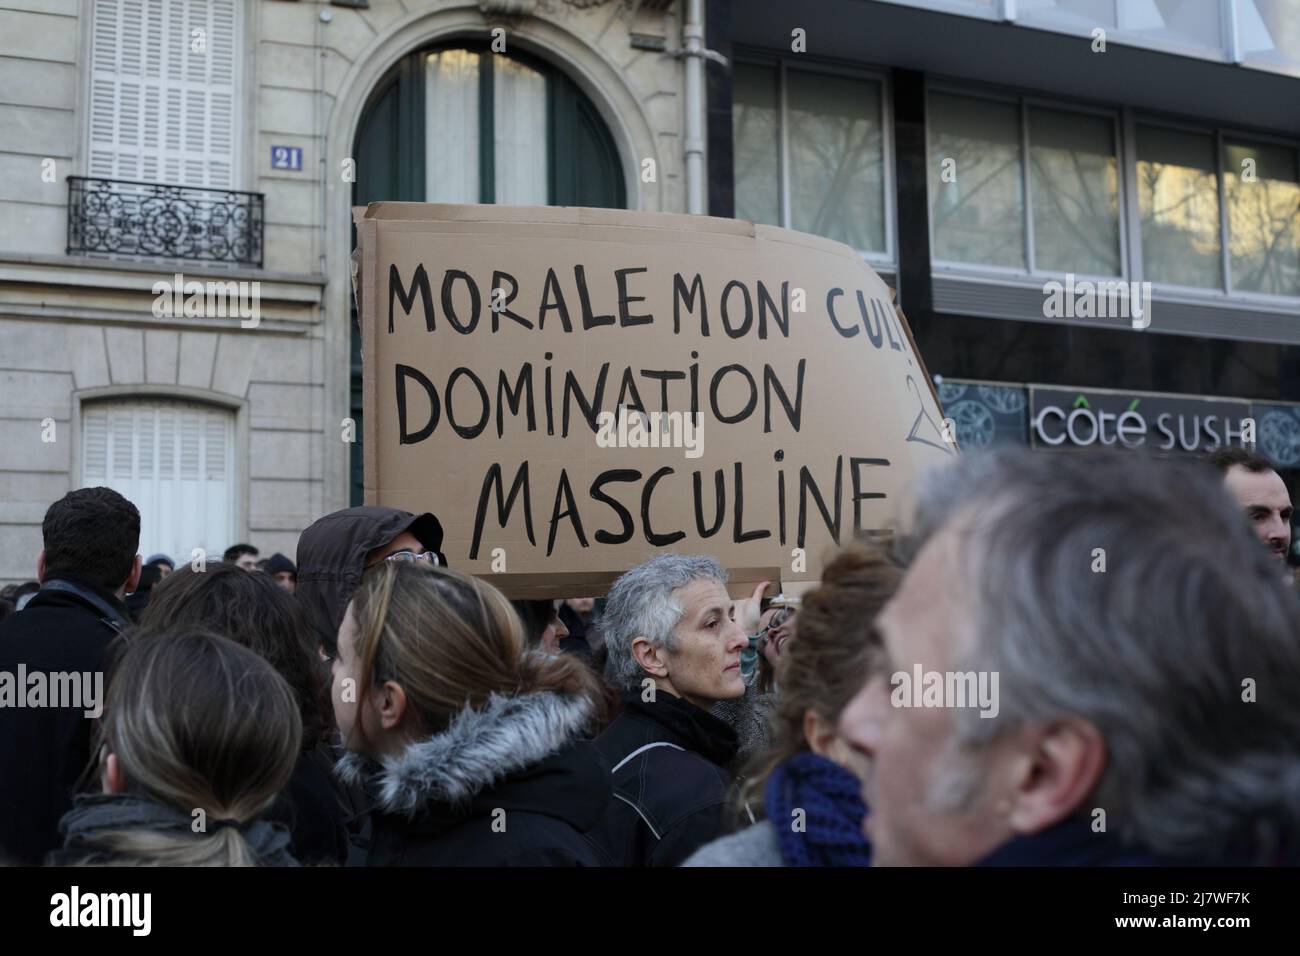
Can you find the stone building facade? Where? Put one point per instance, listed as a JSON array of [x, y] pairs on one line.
[[228, 426]]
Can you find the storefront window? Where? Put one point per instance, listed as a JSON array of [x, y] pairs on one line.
[[1182, 212], [1075, 192], [757, 145], [1178, 206], [977, 201], [1262, 195], [978, 194], [837, 175], [830, 128]]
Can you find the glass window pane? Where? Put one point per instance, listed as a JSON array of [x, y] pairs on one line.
[[1075, 197], [1193, 22], [1178, 202], [976, 203], [451, 126], [837, 167], [1269, 31], [1263, 203], [519, 115], [757, 144], [1076, 14]]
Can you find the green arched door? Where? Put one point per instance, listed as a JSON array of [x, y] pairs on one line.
[[463, 124]]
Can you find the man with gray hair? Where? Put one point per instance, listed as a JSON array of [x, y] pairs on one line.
[[674, 652], [1146, 658]]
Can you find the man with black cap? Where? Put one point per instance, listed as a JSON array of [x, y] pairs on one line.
[[339, 548], [283, 570], [163, 563], [333, 554]]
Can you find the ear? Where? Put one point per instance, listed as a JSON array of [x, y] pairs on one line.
[[40, 566], [652, 659], [390, 704], [819, 732], [133, 581], [114, 780], [1060, 773]]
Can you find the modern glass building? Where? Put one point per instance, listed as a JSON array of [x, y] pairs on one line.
[[1019, 170]]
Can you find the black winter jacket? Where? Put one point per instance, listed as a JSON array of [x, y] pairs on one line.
[[45, 750], [314, 808], [511, 784], [671, 788]]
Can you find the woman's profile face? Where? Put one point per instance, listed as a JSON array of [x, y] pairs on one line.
[[343, 690]]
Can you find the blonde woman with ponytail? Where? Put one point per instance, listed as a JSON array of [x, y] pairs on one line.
[[199, 736], [469, 745]]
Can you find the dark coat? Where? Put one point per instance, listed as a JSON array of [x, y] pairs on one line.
[[95, 816], [510, 784], [44, 751], [314, 808], [1073, 842], [668, 764], [332, 557]]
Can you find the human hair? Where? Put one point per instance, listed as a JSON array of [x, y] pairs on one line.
[[641, 604], [451, 641], [766, 672], [829, 658], [252, 610], [197, 722], [536, 617], [1127, 592], [237, 551], [1229, 456], [93, 532]]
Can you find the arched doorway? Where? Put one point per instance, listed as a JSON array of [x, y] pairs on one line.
[[459, 123]]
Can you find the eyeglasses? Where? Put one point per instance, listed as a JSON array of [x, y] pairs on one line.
[[779, 618], [407, 555]]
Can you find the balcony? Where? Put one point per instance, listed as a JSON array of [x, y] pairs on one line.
[[121, 218]]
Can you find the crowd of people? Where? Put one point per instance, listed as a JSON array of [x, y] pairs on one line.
[[368, 705]]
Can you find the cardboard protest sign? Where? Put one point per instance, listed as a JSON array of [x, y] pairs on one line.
[[572, 391]]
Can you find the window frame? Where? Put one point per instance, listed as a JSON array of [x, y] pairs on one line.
[[243, 91], [1024, 102], [782, 64], [1227, 50], [1132, 263], [1221, 135], [141, 393]]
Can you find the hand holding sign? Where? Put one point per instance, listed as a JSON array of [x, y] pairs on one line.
[[748, 612]]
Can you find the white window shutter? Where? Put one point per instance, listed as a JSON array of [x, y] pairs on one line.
[[160, 111], [174, 461]]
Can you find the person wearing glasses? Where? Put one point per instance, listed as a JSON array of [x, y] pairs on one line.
[[336, 550]]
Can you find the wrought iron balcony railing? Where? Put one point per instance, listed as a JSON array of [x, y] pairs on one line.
[[154, 220]]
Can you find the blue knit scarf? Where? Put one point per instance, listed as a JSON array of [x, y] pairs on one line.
[[831, 798]]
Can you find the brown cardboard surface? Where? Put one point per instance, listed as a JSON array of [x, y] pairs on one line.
[[858, 431]]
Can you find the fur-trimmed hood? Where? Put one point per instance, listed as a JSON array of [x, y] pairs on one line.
[[479, 749]]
